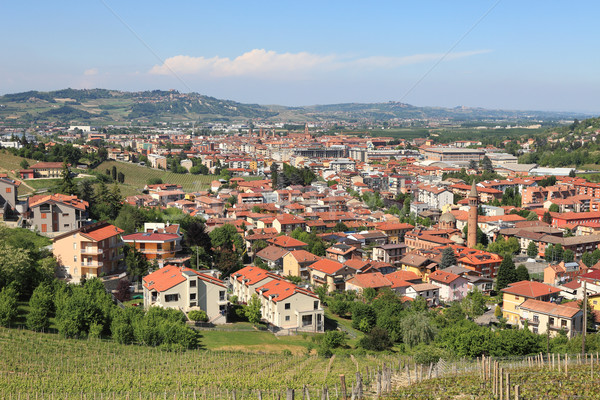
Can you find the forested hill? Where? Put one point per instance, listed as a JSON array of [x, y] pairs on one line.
[[103, 106]]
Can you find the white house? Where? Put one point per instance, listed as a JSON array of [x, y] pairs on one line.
[[186, 289], [452, 286]]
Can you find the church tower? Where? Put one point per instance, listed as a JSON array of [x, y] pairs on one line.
[[472, 219]]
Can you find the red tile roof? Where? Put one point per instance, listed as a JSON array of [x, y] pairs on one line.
[[373, 280], [252, 275], [286, 241], [330, 267], [102, 233], [530, 289]]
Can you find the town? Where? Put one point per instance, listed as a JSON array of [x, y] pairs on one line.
[[293, 217]]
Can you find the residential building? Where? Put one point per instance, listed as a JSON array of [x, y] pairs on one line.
[[296, 263], [330, 273], [543, 317], [435, 196], [517, 293], [453, 287], [186, 289], [373, 280], [390, 253], [245, 282], [431, 293], [56, 213], [155, 246], [8, 195], [89, 251], [47, 169], [290, 307]]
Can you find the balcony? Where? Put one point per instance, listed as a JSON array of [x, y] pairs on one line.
[[162, 251], [91, 250], [93, 264]]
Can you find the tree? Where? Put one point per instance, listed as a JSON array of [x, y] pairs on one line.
[[86, 190], [24, 164], [67, 185], [113, 173], [568, 256], [198, 315], [40, 308], [363, 317], [123, 292], [340, 227], [522, 273], [121, 177], [416, 329], [547, 218], [532, 216], [377, 339], [448, 258], [259, 245], [572, 173], [274, 176], [8, 306], [553, 208], [507, 273], [226, 237], [369, 294], [532, 249], [486, 164], [137, 264], [252, 310], [473, 165], [154, 181], [473, 304]]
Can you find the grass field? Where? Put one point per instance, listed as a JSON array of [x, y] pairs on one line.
[[137, 176], [9, 162], [33, 364]]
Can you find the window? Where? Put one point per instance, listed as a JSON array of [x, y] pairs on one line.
[[193, 283], [142, 246], [316, 305], [8, 189], [75, 258], [287, 317], [171, 297], [44, 215], [74, 246], [563, 323], [516, 297], [535, 329], [221, 295], [536, 318], [287, 306], [551, 321], [306, 320], [192, 296]]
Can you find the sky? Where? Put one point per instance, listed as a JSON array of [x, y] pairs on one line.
[[502, 54]]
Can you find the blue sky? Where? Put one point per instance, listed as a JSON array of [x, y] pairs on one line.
[[536, 55]]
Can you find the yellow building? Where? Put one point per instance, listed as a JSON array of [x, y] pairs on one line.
[[418, 265], [517, 293], [296, 262], [89, 251]]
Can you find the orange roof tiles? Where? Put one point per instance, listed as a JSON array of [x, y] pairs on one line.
[[530, 289]]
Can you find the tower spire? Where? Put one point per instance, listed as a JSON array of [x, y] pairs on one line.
[[473, 200]]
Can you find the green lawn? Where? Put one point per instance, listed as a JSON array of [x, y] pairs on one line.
[[254, 341]]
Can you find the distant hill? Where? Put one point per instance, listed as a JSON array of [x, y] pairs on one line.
[[103, 106]]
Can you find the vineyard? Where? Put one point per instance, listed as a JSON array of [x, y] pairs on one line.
[[36, 365], [137, 176]]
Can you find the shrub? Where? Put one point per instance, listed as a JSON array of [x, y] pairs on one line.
[[198, 315]]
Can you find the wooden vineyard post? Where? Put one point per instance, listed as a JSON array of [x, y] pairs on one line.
[[324, 394], [408, 373], [289, 394], [507, 386], [567, 364], [343, 384], [517, 392], [501, 383], [558, 362]]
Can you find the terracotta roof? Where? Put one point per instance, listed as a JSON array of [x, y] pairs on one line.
[[419, 287], [252, 275], [374, 280], [303, 256], [279, 289], [72, 201], [544, 307], [42, 165], [286, 241], [443, 276], [272, 253], [327, 266], [530, 289], [102, 233]]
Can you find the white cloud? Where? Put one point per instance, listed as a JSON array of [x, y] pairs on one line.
[[260, 62], [90, 72]]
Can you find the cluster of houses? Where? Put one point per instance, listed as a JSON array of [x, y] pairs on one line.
[[365, 247]]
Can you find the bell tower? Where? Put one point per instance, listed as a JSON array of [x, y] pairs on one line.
[[473, 200]]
